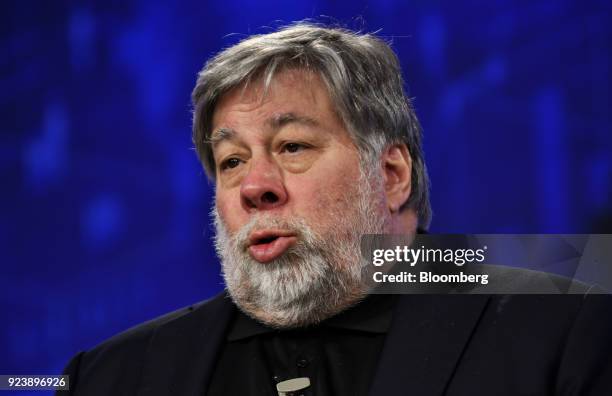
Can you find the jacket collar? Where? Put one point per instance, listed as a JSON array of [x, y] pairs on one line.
[[423, 346], [427, 337]]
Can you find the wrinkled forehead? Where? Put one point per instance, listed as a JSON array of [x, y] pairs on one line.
[[258, 87], [285, 96]]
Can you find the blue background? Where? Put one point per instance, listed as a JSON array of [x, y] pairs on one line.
[[105, 207]]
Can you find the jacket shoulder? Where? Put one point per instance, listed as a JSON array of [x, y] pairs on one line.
[[136, 337], [117, 362]]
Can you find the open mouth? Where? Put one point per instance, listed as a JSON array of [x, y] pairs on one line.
[[263, 241], [267, 245]]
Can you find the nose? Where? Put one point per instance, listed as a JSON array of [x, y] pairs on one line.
[[262, 187]]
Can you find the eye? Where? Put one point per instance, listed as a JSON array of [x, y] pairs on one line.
[[293, 147], [230, 163]]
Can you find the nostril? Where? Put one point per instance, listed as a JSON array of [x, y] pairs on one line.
[[250, 204], [269, 197]]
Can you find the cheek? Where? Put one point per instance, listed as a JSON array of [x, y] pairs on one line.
[[228, 208], [324, 195], [304, 194]]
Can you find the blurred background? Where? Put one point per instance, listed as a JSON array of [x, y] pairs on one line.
[[105, 207]]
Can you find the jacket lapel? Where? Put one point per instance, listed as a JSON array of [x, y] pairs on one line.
[[182, 353], [425, 343]]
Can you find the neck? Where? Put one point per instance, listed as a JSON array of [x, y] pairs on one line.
[[404, 222]]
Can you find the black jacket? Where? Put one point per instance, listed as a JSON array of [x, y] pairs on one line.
[[437, 345]]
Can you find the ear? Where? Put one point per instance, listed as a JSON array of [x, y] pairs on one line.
[[397, 170]]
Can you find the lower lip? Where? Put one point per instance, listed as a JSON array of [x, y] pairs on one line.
[[266, 252]]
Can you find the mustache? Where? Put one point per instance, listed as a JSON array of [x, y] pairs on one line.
[[260, 221]]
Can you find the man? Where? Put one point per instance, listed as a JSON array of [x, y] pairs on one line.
[[311, 143]]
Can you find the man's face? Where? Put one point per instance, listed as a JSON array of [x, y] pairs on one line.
[[291, 200], [287, 155]]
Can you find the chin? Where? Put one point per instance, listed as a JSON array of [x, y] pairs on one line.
[[303, 312]]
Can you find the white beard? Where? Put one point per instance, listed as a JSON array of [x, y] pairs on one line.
[[321, 275]]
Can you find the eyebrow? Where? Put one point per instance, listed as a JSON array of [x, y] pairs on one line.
[[276, 122], [220, 135]]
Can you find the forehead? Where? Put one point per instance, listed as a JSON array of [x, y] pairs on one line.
[[294, 91]]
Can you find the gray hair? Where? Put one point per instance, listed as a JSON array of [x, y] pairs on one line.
[[363, 78]]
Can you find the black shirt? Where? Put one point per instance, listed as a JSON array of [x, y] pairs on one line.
[[339, 355]]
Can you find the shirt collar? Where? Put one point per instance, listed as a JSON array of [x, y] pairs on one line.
[[372, 315]]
